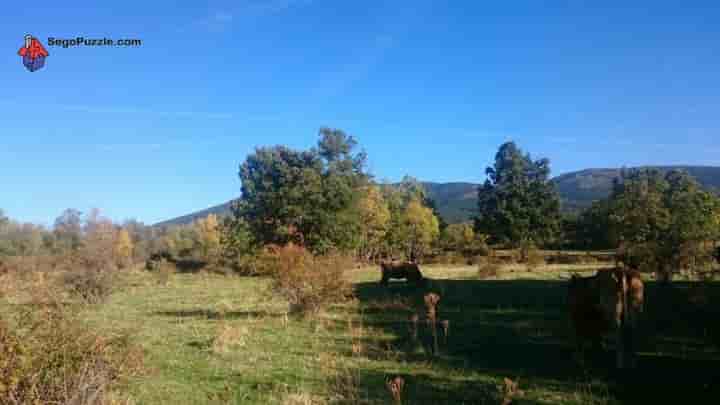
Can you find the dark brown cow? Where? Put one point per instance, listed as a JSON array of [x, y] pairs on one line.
[[609, 301], [407, 270]]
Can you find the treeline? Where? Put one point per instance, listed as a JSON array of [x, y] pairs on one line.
[[325, 200], [74, 233], [658, 222]]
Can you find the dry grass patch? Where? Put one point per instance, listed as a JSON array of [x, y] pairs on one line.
[[229, 338]]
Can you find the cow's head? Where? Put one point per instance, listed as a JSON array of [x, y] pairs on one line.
[[431, 300]]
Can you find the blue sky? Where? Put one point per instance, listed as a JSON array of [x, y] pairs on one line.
[[428, 88]]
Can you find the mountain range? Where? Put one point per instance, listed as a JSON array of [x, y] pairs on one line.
[[456, 201]]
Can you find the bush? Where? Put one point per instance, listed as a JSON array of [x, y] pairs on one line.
[[488, 269], [92, 286], [52, 357], [308, 282]]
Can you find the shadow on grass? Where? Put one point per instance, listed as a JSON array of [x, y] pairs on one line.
[[520, 329], [214, 315]]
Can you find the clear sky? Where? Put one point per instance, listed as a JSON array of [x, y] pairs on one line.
[[428, 88]]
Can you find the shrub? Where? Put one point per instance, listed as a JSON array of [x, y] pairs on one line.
[[92, 286], [306, 281], [52, 357], [11, 360]]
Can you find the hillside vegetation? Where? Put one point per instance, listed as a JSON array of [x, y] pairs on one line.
[[457, 201]]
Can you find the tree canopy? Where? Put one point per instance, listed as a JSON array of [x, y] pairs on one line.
[[517, 203], [662, 223], [306, 197]]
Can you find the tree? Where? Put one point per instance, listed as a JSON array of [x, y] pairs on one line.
[[98, 245], [374, 220], [68, 230], [430, 203], [123, 248], [422, 229], [142, 238], [18, 239], [458, 237], [208, 231], [518, 204], [413, 227], [663, 223], [236, 239], [306, 197], [592, 229]]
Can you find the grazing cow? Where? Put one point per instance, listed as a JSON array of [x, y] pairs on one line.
[[609, 301], [407, 270]]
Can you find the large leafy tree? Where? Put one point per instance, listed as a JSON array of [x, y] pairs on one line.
[[307, 197], [517, 203]]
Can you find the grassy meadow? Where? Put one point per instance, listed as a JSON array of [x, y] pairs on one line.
[[214, 339]]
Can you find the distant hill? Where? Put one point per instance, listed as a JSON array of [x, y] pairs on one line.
[[579, 189], [456, 202], [219, 210]]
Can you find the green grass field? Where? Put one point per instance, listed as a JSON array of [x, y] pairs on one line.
[[212, 339]]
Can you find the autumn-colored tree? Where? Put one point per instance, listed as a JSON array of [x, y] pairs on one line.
[[123, 248], [18, 239], [97, 247], [458, 237], [143, 238], [374, 222], [180, 241], [413, 227], [208, 233], [422, 229]]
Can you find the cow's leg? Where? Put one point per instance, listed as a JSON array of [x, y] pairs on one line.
[[630, 341], [620, 348], [620, 339]]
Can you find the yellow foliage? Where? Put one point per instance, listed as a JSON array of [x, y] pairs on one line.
[[123, 248], [208, 231], [375, 220], [422, 226]]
